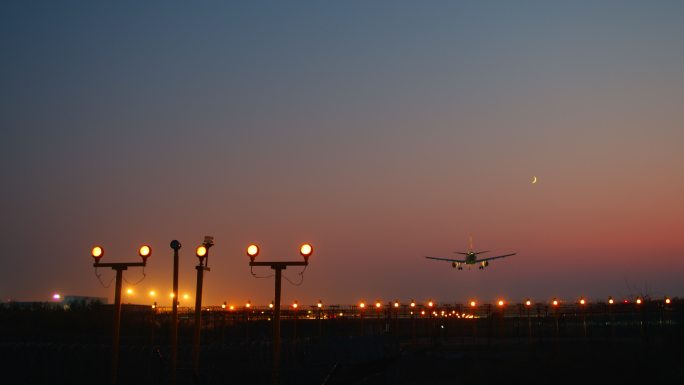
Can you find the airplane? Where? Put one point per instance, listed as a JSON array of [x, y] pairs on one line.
[[470, 258]]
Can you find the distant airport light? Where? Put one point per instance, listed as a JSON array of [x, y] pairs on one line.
[[129, 291], [362, 305], [413, 303], [667, 300], [501, 302], [528, 303], [223, 305], [153, 293], [97, 253], [473, 303], [56, 296], [171, 295], [378, 304], [270, 305], [186, 296], [295, 305], [396, 303], [582, 301], [154, 305], [430, 304], [611, 300], [555, 302], [422, 312], [145, 252], [319, 304], [252, 251], [248, 304], [638, 301]]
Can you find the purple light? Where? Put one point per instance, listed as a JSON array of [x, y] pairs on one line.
[[56, 297]]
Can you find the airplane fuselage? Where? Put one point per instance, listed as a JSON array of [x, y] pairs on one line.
[[471, 259]]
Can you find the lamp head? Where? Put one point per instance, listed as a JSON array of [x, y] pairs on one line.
[[175, 245], [201, 252], [97, 253], [145, 252], [252, 251], [306, 250]]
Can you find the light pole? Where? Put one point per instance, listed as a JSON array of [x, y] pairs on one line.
[[362, 307], [252, 251], [319, 305], [413, 322], [175, 245], [97, 254], [203, 255], [248, 308], [528, 303], [295, 305]]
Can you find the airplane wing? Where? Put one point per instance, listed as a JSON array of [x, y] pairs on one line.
[[447, 259], [497, 257]]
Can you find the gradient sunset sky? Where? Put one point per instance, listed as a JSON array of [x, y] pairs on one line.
[[378, 131]]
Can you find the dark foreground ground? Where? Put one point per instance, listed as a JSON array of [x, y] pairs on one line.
[[48, 346], [559, 363]]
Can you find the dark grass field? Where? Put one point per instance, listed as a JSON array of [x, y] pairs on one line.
[[48, 346]]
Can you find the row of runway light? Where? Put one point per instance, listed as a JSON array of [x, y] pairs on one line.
[[430, 305], [379, 304]]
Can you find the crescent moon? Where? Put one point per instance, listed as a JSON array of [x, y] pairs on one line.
[[534, 179]]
